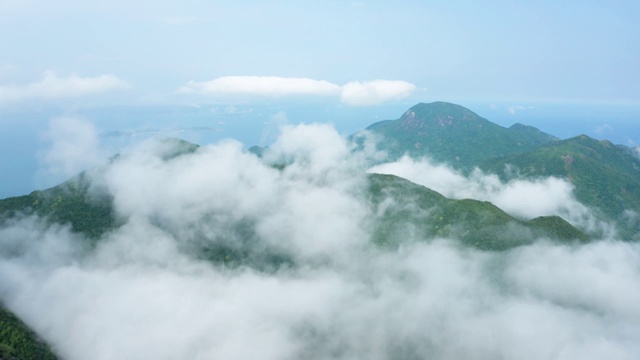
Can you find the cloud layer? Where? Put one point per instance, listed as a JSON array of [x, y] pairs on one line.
[[73, 146], [262, 86], [522, 198], [54, 87], [374, 92], [309, 283], [353, 93]]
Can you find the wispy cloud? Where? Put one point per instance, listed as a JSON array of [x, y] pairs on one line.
[[603, 129], [73, 146], [514, 109], [261, 86], [519, 197], [53, 86], [374, 92], [353, 93]]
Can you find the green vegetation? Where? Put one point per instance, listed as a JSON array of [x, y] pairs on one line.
[[177, 147], [605, 176], [18, 342], [532, 134], [68, 203], [410, 209], [453, 134]]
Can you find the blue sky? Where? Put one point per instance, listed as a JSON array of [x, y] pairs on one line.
[[206, 70], [146, 51]]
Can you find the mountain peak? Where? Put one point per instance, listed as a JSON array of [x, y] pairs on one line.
[[453, 134], [440, 113]]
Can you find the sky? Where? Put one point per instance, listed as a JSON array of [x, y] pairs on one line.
[[140, 51], [240, 69]]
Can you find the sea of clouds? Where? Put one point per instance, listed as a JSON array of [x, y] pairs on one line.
[[143, 293]]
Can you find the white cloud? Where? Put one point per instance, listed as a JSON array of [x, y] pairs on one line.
[[262, 86], [54, 87], [143, 292], [279, 118], [374, 92], [603, 129], [353, 93], [73, 146], [514, 109], [522, 198]]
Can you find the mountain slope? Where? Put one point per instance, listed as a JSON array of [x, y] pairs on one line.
[[417, 209], [605, 176], [477, 223], [453, 134], [17, 341], [68, 203]]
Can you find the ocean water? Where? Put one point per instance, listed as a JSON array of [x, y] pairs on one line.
[[24, 142]]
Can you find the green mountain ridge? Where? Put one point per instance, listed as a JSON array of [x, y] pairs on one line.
[[605, 176], [476, 223], [72, 203], [453, 134]]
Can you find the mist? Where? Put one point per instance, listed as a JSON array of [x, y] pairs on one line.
[[522, 198], [300, 277]]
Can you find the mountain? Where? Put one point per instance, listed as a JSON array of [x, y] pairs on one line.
[[68, 203], [453, 134], [532, 134], [417, 209], [476, 223], [17, 341], [90, 211], [605, 176]]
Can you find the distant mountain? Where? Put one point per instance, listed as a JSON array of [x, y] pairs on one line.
[[605, 176], [419, 210], [532, 134], [478, 224], [453, 134]]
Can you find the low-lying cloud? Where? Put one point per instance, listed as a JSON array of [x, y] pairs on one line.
[[329, 292], [354, 93], [73, 146], [522, 198], [53, 86]]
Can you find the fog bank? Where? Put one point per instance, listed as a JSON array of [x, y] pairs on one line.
[[311, 284]]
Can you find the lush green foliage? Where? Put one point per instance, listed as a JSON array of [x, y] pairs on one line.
[[409, 209], [19, 342], [605, 176], [68, 203], [453, 134]]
